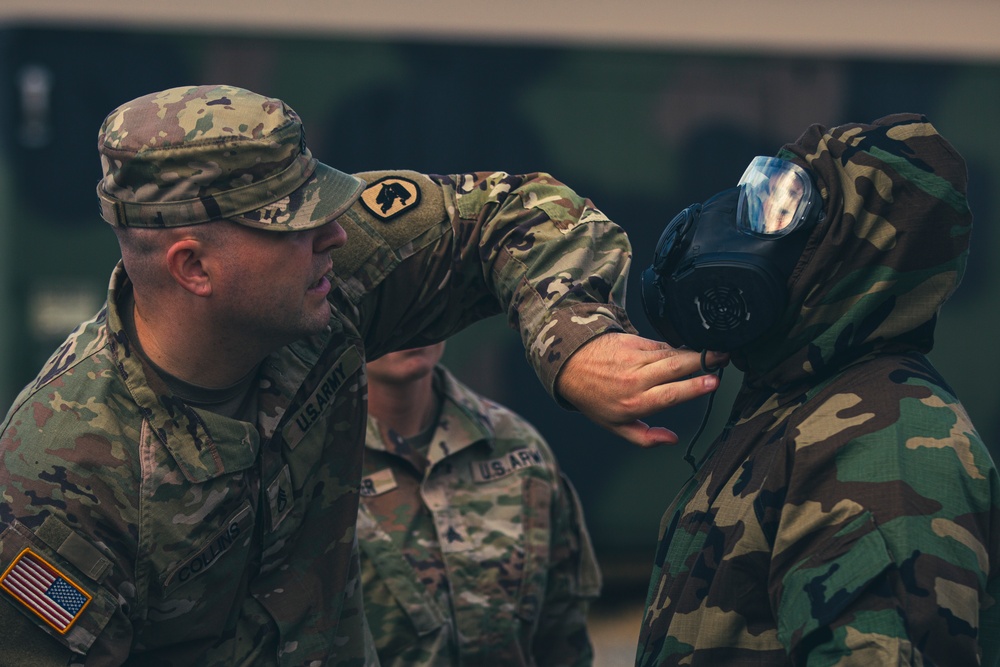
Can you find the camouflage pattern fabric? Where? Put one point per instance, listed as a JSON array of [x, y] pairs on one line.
[[474, 552], [849, 514], [207, 541], [192, 154], [568, 289]]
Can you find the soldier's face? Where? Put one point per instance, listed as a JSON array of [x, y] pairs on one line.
[[275, 284], [782, 202], [405, 366]]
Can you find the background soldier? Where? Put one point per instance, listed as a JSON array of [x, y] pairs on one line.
[[473, 545]]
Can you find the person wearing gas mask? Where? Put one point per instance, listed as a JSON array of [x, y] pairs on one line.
[[849, 512]]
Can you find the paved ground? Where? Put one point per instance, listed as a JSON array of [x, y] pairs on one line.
[[614, 630]]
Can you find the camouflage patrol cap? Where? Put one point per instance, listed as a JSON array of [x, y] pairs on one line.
[[189, 155]]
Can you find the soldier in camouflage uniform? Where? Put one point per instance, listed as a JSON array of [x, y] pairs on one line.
[[179, 484], [473, 545], [849, 513]]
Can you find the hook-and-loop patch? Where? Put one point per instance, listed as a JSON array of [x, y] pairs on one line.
[[45, 590]]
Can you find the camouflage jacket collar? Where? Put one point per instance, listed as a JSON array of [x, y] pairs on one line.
[[891, 249], [463, 422], [204, 444]]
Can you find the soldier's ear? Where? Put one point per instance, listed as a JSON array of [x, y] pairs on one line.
[[186, 264]]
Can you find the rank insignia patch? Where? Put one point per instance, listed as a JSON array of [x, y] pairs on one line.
[[378, 483], [388, 197], [46, 591]]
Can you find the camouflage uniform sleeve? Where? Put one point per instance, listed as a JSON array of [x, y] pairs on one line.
[[574, 581], [882, 551], [24, 645], [467, 246]]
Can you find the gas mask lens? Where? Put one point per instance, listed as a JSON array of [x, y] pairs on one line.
[[776, 196]]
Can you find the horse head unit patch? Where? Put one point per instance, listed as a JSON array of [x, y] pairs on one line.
[[389, 197]]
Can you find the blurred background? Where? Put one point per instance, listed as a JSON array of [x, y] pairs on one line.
[[645, 106]]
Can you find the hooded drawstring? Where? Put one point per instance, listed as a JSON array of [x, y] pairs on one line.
[[688, 454]]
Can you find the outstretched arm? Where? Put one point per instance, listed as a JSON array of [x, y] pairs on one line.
[[618, 379], [473, 245]]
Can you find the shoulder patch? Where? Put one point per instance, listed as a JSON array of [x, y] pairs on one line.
[[45, 590], [371, 231], [388, 197]]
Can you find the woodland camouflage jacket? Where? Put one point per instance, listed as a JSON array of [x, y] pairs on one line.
[[849, 514], [169, 535]]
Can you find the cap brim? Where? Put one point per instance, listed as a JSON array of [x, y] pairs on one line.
[[323, 197]]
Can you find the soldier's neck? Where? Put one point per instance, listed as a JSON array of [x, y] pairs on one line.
[[408, 409], [174, 345]]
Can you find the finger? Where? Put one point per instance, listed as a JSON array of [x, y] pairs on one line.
[[641, 434], [716, 360], [673, 365], [663, 351], [672, 393]]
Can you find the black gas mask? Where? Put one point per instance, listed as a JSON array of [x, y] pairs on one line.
[[719, 275]]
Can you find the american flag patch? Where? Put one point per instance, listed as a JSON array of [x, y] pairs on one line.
[[44, 590]]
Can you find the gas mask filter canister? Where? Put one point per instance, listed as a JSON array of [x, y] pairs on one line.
[[720, 270]]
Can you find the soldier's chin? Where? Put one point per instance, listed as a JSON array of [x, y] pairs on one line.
[[317, 322]]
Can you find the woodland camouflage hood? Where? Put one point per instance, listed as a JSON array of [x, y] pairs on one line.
[[849, 512], [891, 250]]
